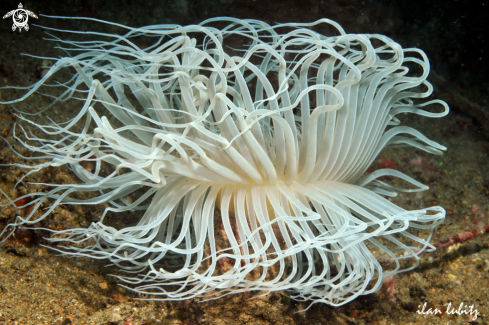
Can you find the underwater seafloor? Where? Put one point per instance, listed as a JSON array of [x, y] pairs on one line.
[[39, 287]]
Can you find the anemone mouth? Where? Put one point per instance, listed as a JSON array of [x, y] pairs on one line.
[[247, 147]]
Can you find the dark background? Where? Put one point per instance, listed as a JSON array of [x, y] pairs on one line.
[[453, 33]]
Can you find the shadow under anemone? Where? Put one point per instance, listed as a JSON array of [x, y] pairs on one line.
[[246, 145]]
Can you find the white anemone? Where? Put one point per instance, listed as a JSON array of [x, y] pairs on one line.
[[247, 147]]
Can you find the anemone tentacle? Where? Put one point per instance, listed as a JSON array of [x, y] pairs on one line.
[[251, 143]]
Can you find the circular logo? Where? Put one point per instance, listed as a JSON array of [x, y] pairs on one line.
[[20, 17]]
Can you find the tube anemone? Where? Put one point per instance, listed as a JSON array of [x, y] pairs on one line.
[[247, 147]]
